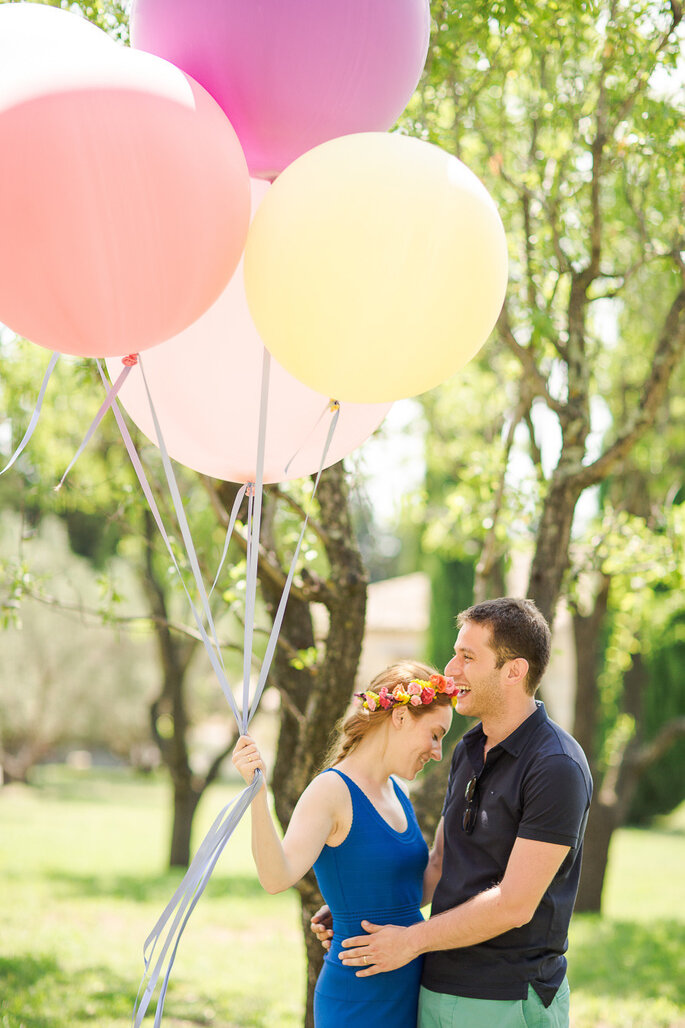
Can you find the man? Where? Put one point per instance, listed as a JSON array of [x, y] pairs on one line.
[[506, 859]]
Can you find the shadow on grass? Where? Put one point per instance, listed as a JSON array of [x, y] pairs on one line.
[[38, 993], [627, 959], [154, 888]]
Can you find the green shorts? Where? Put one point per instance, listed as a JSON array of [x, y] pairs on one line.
[[440, 1010]]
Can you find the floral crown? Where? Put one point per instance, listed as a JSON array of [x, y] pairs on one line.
[[419, 693]]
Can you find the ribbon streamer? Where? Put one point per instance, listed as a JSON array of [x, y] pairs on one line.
[[36, 414], [147, 491], [184, 901], [332, 405], [166, 935], [253, 542], [198, 874], [129, 362], [278, 619], [109, 400], [182, 904]]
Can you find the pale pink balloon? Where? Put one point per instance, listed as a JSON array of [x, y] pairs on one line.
[[28, 28], [124, 202], [291, 74], [205, 384]]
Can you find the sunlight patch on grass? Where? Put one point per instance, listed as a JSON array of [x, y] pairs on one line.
[[83, 869]]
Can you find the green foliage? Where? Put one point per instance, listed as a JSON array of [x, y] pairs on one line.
[[109, 15], [646, 564], [572, 115], [623, 973], [60, 669], [662, 787], [84, 888], [451, 592]]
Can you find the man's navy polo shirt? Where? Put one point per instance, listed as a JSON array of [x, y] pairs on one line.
[[535, 784]]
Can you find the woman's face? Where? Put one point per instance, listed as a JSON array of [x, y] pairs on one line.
[[420, 738]]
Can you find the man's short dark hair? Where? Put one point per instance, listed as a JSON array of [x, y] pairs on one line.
[[518, 630]]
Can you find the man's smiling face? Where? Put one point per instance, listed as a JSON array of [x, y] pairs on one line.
[[474, 670]]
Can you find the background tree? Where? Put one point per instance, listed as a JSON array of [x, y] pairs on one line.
[[572, 114], [108, 525], [60, 666], [562, 109], [316, 660]]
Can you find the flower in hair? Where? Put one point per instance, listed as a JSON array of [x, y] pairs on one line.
[[443, 684], [418, 693], [385, 698]]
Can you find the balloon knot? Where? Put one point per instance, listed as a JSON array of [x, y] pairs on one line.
[[249, 489], [131, 360], [334, 405]]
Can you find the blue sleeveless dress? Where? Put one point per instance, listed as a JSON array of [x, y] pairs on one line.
[[375, 874]]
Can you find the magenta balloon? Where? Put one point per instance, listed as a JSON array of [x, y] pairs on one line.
[[124, 199], [206, 383], [291, 74]]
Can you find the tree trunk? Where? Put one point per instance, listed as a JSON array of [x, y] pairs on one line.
[[330, 689], [587, 629], [185, 804], [615, 786], [600, 828], [551, 558], [174, 659], [314, 696], [429, 795]]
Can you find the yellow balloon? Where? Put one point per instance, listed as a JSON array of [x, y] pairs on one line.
[[375, 267]]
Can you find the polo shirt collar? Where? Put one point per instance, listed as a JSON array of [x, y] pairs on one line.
[[514, 743]]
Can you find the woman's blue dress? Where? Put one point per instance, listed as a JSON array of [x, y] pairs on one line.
[[375, 874]]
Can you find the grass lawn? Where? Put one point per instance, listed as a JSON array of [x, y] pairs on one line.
[[82, 884]]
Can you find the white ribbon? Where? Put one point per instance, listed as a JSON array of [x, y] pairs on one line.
[[36, 414]]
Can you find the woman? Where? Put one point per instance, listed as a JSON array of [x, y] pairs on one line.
[[356, 827]]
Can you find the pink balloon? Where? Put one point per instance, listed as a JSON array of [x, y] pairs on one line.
[[291, 74], [206, 384], [124, 203], [29, 27]]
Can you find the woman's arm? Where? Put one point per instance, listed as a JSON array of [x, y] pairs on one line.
[[433, 870], [282, 863]]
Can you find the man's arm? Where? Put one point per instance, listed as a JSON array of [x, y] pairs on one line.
[[511, 904]]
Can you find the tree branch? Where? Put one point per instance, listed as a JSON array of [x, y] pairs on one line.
[[488, 555], [537, 385], [215, 766], [651, 751], [268, 564], [669, 351], [642, 78]]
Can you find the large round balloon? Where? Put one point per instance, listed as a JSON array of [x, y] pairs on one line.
[[291, 74], [376, 267], [124, 202], [30, 27], [206, 384]]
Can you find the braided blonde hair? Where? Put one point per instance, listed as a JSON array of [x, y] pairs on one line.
[[354, 727]]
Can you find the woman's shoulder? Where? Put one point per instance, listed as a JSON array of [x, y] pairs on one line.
[[329, 793], [328, 785]]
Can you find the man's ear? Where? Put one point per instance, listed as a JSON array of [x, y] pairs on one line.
[[517, 670]]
